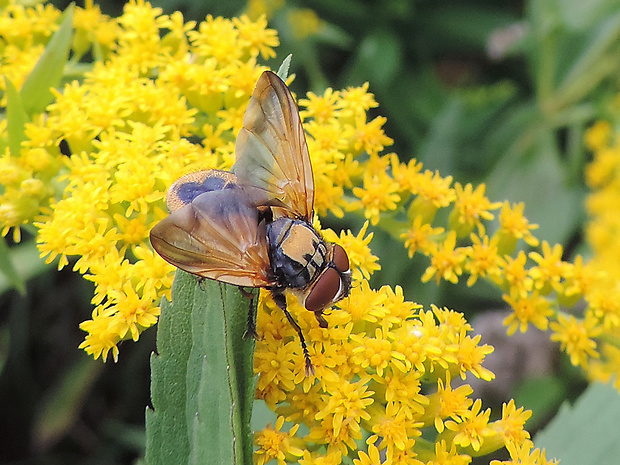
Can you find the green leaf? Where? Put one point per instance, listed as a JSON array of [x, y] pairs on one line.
[[284, 67], [47, 73], [585, 433], [202, 384], [8, 269], [532, 172], [18, 264], [16, 117], [597, 61], [166, 431], [377, 59], [542, 396]]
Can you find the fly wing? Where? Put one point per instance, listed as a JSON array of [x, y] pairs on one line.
[[188, 187], [271, 150], [217, 236]]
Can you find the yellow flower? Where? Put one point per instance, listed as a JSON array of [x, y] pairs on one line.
[[472, 428], [103, 335], [25, 27], [276, 365], [470, 208], [217, 38], [372, 352], [432, 189], [323, 109], [346, 405], [422, 237], [513, 226], [598, 135], [258, 39], [580, 279], [304, 22], [606, 367], [447, 403], [127, 152], [603, 304], [602, 171], [514, 276], [483, 260], [135, 312], [369, 136], [257, 8], [550, 270], [445, 455], [379, 194], [511, 425], [405, 174], [90, 26], [165, 98], [356, 100], [470, 356], [447, 261], [370, 458], [276, 444], [402, 389], [530, 308], [522, 454], [576, 337], [393, 431]]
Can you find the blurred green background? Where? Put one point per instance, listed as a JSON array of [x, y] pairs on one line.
[[485, 91]]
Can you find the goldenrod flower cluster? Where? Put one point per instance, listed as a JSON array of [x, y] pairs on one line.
[[602, 315], [27, 177], [166, 97]]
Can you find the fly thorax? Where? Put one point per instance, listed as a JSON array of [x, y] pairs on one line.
[[297, 252]]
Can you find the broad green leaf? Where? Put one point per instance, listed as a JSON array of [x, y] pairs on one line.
[[47, 73], [166, 431], [587, 432], [16, 118], [219, 378], [202, 384]]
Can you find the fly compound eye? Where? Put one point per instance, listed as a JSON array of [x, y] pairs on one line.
[[325, 290], [340, 259]]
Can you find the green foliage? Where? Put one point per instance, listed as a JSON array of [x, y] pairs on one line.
[[48, 71], [9, 274], [201, 377], [585, 433], [63, 404], [19, 264], [515, 122], [542, 396], [16, 117]]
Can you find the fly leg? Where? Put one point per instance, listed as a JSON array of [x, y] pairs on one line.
[[280, 300]]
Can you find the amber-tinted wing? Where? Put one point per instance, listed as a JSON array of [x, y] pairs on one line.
[[217, 236], [271, 150]]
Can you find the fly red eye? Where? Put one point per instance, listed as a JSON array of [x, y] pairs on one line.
[[340, 259], [324, 291]]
